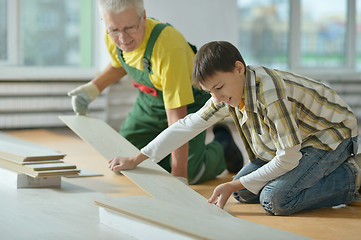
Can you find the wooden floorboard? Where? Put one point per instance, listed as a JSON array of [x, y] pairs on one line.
[[328, 223]]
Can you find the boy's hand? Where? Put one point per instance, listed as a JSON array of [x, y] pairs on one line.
[[126, 163], [121, 163], [223, 191]]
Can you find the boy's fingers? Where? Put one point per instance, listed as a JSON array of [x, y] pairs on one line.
[[112, 164], [116, 169], [213, 198], [221, 202]]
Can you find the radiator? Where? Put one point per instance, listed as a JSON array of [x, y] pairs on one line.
[[34, 104]]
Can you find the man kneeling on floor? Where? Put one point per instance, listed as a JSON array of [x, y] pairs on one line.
[[160, 61]]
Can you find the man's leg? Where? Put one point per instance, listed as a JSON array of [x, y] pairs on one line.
[[140, 128], [205, 161]]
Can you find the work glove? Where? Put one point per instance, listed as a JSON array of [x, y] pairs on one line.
[[82, 96]]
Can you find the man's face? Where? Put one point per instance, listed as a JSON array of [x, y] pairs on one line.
[[227, 87], [125, 28]]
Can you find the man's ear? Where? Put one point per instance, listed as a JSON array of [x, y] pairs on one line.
[[145, 15], [239, 66]]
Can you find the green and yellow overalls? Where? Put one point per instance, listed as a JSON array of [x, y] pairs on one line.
[[148, 118]]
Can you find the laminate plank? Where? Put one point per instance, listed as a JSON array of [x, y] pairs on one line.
[[85, 173], [51, 166], [187, 222], [25, 169], [30, 162], [21, 150], [322, 224], [61, 213], [148, 175]]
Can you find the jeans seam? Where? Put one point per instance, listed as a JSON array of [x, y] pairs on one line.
[[351, 194]]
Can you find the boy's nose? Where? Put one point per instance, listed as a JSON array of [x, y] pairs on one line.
[[217, 97]]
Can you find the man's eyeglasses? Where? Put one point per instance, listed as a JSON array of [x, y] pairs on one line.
[[127, 30]]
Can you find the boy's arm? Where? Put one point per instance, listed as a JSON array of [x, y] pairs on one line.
[[286, 137], [183, 130], [172, 138], [284, 161]]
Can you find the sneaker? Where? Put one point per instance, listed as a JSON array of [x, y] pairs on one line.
[[356, 201], [232, 154], [356, 161]]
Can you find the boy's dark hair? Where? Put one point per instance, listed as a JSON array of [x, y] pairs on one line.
[[212, 57]]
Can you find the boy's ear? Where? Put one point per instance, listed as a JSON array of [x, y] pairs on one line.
[[239, 66]]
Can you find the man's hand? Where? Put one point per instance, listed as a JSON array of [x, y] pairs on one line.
[[82, 96], [223, 191], [126, 163]]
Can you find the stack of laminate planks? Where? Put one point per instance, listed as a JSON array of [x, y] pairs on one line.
[[31, 159]]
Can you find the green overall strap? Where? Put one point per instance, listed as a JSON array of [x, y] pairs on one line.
[[149, 50]]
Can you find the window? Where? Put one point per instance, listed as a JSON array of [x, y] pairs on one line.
[[46, 34], [263, 31], [3, 31], [320, 36], [323, 33], [358, 35]]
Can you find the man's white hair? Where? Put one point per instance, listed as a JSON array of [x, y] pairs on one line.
[[121, 5]]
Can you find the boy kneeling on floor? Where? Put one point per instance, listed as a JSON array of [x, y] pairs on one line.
[[301, 137]]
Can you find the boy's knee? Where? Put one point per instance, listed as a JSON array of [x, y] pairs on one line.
[[275, 205]]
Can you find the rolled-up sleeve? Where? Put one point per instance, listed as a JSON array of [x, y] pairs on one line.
[[184, 130], [284, 161]]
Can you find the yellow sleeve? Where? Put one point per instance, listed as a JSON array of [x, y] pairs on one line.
[[114, 60], [173, 63], [176, 83]]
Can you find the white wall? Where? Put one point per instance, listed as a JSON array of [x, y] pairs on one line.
[[200, 21]]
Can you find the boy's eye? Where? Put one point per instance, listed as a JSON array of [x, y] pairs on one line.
[[218, 88]]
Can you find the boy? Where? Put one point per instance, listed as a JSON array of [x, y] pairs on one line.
[[299, 134]]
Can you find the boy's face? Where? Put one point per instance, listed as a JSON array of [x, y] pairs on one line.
[[227, 87]]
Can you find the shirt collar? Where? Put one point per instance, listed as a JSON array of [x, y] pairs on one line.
[[250, 98]]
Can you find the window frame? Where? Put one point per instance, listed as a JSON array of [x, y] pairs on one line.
[[349, 71], [14, 51]]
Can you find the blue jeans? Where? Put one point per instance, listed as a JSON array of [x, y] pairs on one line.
[[322, 179]]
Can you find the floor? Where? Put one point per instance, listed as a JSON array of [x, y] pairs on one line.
[[329, 223]]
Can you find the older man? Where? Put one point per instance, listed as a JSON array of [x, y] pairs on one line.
[[160, 61]]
